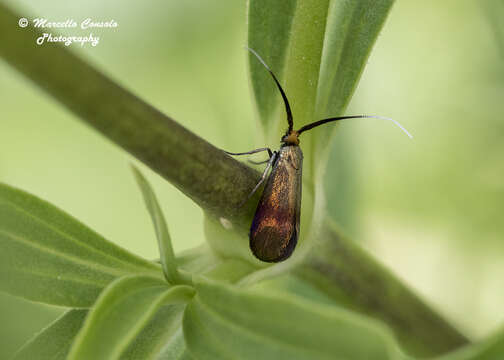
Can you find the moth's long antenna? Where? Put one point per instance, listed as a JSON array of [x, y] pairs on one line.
[[286, 102], [320, 122]]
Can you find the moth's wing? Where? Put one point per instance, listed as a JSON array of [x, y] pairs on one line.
[[275, 228]]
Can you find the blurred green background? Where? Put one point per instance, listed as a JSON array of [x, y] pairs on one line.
[[431, 208]]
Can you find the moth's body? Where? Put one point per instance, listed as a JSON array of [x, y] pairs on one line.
[[275, 227]]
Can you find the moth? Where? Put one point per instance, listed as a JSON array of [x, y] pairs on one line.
[[275, 228]]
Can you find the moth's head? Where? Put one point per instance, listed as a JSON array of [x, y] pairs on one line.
[[291, 138]]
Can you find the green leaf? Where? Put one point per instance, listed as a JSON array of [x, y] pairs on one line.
[[48, 256], [22, 319], [176, 349], [53, 342], [201, 261], [230, 270], [162, 335], [351, 31], [197, 260], [320, 49], [269, 23], [163, 236], [121, 312], [259, 326]]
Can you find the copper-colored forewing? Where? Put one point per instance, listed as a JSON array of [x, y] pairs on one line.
[[275, 228]]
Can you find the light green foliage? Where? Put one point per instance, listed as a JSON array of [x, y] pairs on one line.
[[48, 256], [21, 319], [269, 22], [264, 326], [121, 313], [161, 339], [175, 349], [318, 49], [54, 342], [163, 236], [258, 325]]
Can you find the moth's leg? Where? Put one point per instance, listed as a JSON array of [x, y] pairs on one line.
[[263, 177], [258, 162], [270, 153]]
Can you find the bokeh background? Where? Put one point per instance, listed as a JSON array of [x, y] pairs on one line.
[[430, 208]]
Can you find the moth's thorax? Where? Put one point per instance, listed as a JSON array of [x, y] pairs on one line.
[[292, 138]]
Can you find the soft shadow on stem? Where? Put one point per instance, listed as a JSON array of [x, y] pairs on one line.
[[348, 274], [212, 179]]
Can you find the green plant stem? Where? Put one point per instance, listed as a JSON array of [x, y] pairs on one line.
[[349, 275], [215, 182]]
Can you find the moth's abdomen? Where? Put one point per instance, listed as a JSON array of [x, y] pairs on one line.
[[275, 228]]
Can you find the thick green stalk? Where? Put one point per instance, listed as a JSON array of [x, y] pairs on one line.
[[349, 275], [207, 175]]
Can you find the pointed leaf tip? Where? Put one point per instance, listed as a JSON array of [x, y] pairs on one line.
[[167, 254]]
